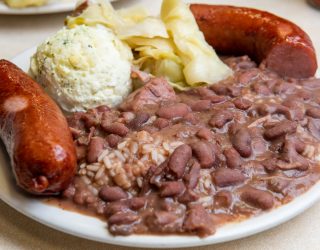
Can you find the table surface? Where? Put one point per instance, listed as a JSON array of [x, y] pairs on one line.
[[18, 33]]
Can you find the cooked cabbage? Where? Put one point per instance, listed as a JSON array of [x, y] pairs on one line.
[[201, 63], [171, 46]]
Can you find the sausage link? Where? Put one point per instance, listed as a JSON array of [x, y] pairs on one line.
[[277, 43], [35, 133]]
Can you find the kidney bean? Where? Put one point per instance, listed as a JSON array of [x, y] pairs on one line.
[[242, 103], [199, 220], [204, 92], [248, 76], [92, 118], [173, 111], [282, 87], [157, 174], [272, 108], [113, 140], [313, 112], [291, 155], [278, 184], [260, 88], [115, 207], [116, 128], [81, 196], [81, 152], [188, 196], [296, 109], [303, 94], [161, 123], [224, 177], [191, 179], [95, 148], [204, 153], [139, 120], [314, 128], [281, 128], [312, 83], [107, 193], [233, 158], [223, 199], [171, 188], [221, 89], [241, 141], [75, 121], [128, 116], [160, 219], [201, 105], [69, 192], [220, 118], [121, 218], [179, 159], [146, 184], [216, 99], [205, 133], [103, 108], [246, 65], [136, 203], [257, 198], [76, 133], [191, 118]]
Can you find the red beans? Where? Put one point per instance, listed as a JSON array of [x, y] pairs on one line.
[[313, 112], [204, 153], [161, 218], [261, 89], [223, 199], [220, 118], [116, 128], [257, 198], [179, 159], [224, 177], [281, 128], [201, 105], [161, 123], [191, 179], [136, 203], [96, 146], [242, 103], [241, 141], [172, 188], [198, 220], [139, 120], [188, 196], [173, 111], [113, 140], [278, 185], [233, 158], [123, 218], [107, 193], [204, 133]]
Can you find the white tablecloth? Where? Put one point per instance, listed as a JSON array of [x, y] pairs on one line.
[[20, 232]]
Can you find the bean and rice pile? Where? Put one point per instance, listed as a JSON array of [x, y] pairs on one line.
[[187, 162]]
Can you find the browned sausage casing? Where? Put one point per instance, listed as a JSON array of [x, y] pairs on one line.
[[35, 133], [281, 45]]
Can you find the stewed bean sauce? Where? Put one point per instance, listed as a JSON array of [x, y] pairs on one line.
[[188, 162]]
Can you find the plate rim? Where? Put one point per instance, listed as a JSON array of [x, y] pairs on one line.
[[270, 219], [51, 8], [54, 7]]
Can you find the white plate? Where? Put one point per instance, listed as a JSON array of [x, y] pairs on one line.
[[53, 6], [94, 229]]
